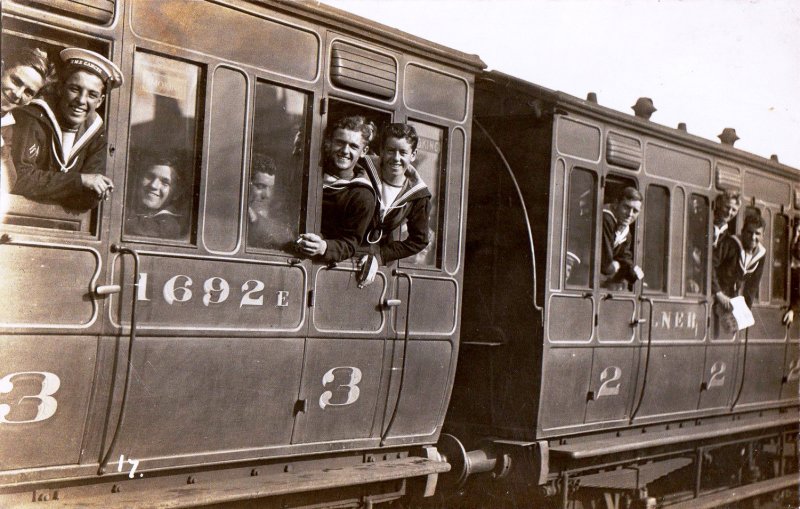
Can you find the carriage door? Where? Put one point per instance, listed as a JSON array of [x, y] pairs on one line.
[[52, 259], [425, 319], [346, 351], [617, 325]]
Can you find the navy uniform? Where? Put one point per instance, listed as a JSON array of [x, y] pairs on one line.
[[48, 167], [347, 208], [412, 206], [617, 247], [737, 271]]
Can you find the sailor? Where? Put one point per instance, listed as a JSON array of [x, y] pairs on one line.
[[60, 145]]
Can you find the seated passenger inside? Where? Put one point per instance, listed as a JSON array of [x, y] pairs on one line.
[[60, 147], [264, 226], [27, 72], [155, 191], [617, 267], [403, 198], [348, 199]]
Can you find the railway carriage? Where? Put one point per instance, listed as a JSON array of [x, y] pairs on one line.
[[218, 366], [206, 367], [574, 392]]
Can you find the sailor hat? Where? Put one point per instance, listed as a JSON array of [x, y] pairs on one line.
[[95, 63]]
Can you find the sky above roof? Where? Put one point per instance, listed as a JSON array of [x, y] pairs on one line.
[[709, 63]]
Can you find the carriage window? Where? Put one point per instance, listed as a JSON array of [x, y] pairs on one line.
[[162, 154], [47, 201], [429, 163], [780, 259], [277, 162], [656, 238], [617, 268], [578, 260], [696, 261]]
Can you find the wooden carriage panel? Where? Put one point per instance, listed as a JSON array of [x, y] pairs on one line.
[[570, 319], [430, 91], [719, 377], [565, 384], [612, 383], [192, 395], [422, 401], [674, 375], [196, 294], [50, 285], [425, 318], [364, 311], [255, 42], [44, 399], [339, 391], [762, 373], [790, 379], [616, 320]]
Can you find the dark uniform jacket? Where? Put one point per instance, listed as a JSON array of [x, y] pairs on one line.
[[347, 208], [732, 274], [163, 224], [412, 205], [621, 253], [43, 173]]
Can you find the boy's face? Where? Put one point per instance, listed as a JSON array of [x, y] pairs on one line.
[[81, 94], [626, 211], [396, 157], [726, 211], [345, 148], [751, 236], [19, 85], [261, 186], [156, 187]]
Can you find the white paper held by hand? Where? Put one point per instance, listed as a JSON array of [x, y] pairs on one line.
[[742, 313]]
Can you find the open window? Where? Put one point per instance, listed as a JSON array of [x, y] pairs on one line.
[[617, 240], [22, 208], [166, 115]]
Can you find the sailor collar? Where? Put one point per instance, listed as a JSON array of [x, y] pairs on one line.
[[67, 161]]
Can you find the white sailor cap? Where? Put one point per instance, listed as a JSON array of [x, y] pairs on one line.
[[572, 258], [94, 63]]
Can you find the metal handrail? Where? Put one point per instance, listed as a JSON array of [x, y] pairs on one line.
[[405, 356], [115, 248]]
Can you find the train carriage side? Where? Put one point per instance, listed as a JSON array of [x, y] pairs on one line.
[[565, 375], [134, 360]]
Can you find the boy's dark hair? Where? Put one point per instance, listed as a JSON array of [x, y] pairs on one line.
[[753, 217], [353, 123], [402, 132], [262, 163], [630, 193], [727, 195]]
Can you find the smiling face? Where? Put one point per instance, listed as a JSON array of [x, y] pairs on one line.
[[81, 94], [751, 236], [19, 85], [396, 156], [155, 186], [626, 211], [344, 149], [726, 211]]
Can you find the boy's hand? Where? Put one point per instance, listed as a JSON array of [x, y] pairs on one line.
[[312, 244]]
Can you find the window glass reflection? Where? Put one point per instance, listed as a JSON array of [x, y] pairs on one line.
[[162, 153], [696, 261], [276, 174], [579, 257], [428, 163]]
